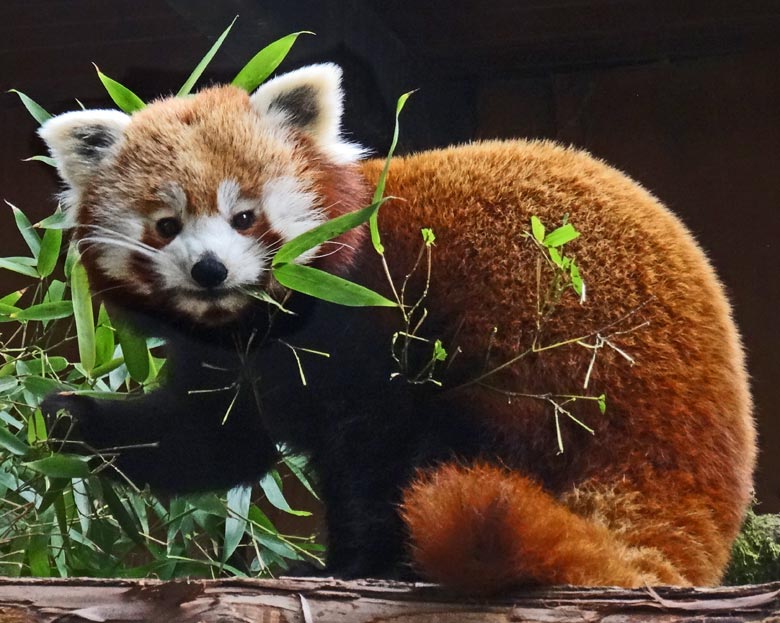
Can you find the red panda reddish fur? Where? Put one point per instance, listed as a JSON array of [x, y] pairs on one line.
[[655, 495], [658, 493]]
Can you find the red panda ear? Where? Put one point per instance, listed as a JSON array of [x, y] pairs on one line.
[[311, 100], [81, 141]]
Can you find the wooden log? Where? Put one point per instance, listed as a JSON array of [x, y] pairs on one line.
[[307, 600]]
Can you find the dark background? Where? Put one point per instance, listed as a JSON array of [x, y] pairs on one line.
[[682, 95]]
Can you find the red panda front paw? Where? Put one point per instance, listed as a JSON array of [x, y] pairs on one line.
[[67, 416]]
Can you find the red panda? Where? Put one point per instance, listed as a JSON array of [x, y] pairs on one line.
[[181, 206]]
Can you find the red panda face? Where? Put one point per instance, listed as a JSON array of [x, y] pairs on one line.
[[181, 206]]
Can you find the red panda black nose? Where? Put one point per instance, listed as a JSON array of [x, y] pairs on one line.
[[209, 272]]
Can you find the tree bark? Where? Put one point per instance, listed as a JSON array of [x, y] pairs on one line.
[[306, 600]]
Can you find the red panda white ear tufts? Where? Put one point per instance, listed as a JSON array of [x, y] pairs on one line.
[[309, 99], [82, 140]]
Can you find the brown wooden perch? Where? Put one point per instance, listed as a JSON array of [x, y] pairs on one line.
[[308, 600]]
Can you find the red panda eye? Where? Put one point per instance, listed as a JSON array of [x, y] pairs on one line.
[[168, 227], [243, 220]]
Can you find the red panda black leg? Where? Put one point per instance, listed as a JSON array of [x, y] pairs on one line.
[[481, 529], [366, 462], [366, 536], [170, 440]]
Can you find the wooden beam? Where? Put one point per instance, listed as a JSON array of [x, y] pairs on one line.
[[307, 600]]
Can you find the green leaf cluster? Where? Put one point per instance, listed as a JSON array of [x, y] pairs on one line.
[[59, 513], [553, 243], [755, 556]]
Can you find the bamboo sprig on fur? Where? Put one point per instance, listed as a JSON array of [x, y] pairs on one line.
[[564, 276]]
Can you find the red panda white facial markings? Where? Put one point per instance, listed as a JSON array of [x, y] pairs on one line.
[[173, 198], [115, 244], [291, 208], [222, 175], [243, 256]]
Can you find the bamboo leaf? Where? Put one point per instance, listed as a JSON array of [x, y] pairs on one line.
[[576, 281], [38, 555], [45, 159], [45, 311], [238, 500], [14, 265], [55, 292], [263, 64], [50, 251], [104, 338], [12, 443], [8, 383], [84, 316], [380, 185], [9, 310], [45, 365], [537, 228], [71, 258], [439, 352], [39, 386], [296, 463], [201, 66], [107, 367], [277, 546], [118, 510], [12, 298], [26, 229], [58, 220], [275, 496], [328, 287], [555, 256], [123, 97], [35, 109], [326, 231], [61, 466], [134, 350], [562, 235], [55, 490]]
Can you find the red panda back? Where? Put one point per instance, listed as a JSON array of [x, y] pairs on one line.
[[678, 430]]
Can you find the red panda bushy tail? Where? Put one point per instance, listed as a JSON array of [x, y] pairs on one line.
[[481, 529]]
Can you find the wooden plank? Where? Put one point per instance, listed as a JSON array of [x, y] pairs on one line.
[[307, 600]]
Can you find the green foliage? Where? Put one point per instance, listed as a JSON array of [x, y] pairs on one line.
[[59, 513], [328, 287], [35, 109], [318, 283], [123, 97], [755, 557], [265, 62], [204, 62], [565, 269], [379, 193]]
